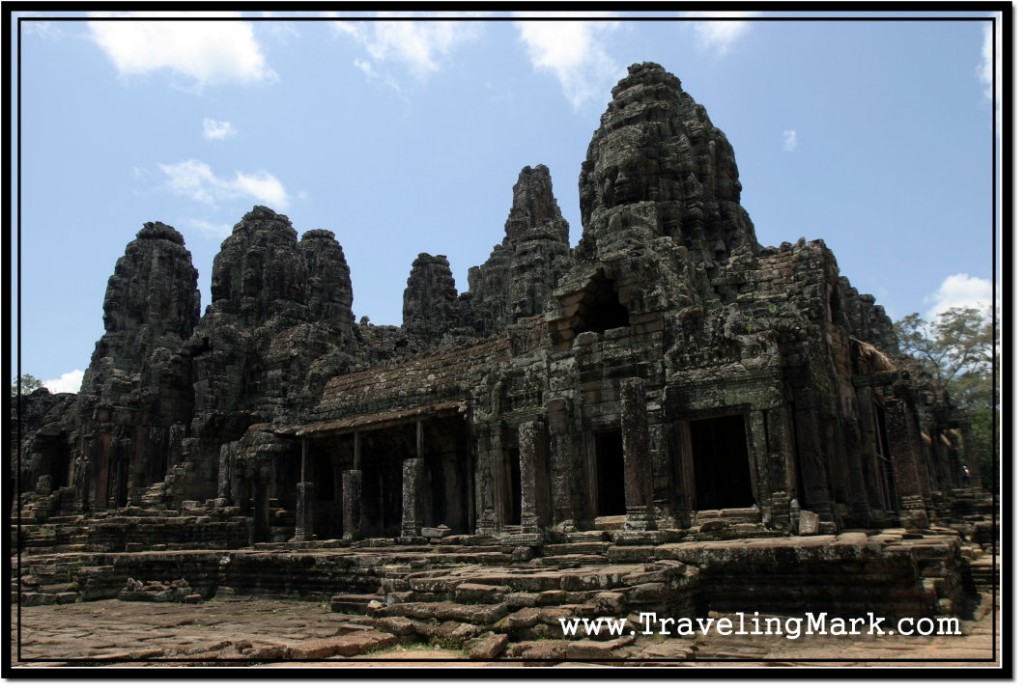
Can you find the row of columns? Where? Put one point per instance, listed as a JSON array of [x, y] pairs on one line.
[[539, 506], [351, 493], [537, 503]]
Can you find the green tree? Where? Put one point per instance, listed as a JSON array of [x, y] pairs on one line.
[[960, 347], [25, 384]]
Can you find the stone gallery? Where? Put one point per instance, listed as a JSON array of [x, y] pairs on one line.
[[666, 385]]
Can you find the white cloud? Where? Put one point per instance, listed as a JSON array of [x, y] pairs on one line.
[[577, 53], [218, 129], [960, 290], [42, 29], [207, 52], [984, 68], [196, 180], [281, 31], [992, 64], [421, 48], [69, 382], [789, 140], [719, 37]]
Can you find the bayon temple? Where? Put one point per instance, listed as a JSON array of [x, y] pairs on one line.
[[664, 389]]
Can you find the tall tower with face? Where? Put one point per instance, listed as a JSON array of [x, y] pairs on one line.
[[658, 157]]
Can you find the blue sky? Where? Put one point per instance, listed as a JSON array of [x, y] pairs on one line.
[[406, 136]]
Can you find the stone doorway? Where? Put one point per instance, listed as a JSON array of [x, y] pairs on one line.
[[383, 453], [610, 469], [447, 474], [721, 466]]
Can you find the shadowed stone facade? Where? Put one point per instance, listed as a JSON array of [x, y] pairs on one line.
[[668, 379]]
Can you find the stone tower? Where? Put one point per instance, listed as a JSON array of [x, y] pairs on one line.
[[658, 165]]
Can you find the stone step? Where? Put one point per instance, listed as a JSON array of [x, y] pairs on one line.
[[481, 615], [572, 560], [608, 523], [576, 548], [588, 536], [352, 603], [477, 593], [729, 516], [37, 599]]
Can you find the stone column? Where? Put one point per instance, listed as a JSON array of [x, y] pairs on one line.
[[564, 478], [868, 447], [304, 498], [531, 448], [486, 486], [781, 463], [636, 456], [904, 449], [860, 508], [412, 484], [81, 473], [812, 453], [351, 503], [757, 448]]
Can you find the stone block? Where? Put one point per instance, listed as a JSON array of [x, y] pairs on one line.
[[479, 593], [809, 523], [609, 603], [363, 642], [487, 647]]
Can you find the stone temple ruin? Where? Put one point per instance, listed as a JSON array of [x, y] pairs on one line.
[[644, 399]]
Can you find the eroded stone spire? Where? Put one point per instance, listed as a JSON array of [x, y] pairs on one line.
[[517, 280], [657, 162]]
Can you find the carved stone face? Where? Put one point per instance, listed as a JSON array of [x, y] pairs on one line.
[[631, 164]]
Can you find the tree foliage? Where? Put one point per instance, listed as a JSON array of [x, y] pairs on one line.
[[25, 384], [960, 347]]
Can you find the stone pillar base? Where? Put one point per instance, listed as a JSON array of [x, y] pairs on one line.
[[486, 524], [913, 512], [639, 518]]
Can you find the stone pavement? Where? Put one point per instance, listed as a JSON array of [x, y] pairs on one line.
[[263, 631]]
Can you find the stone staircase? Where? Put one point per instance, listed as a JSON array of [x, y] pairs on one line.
[[155, 496], [971, 512], [985, 572], [454, 600]]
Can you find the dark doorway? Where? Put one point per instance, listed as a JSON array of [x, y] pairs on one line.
[[600, 309], [446, 479], [610, 469], [720, 464], [512, 487], [383, 453], [327, 522], [382, 498]]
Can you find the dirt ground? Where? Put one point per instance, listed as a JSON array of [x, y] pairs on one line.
[[257, 631]]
